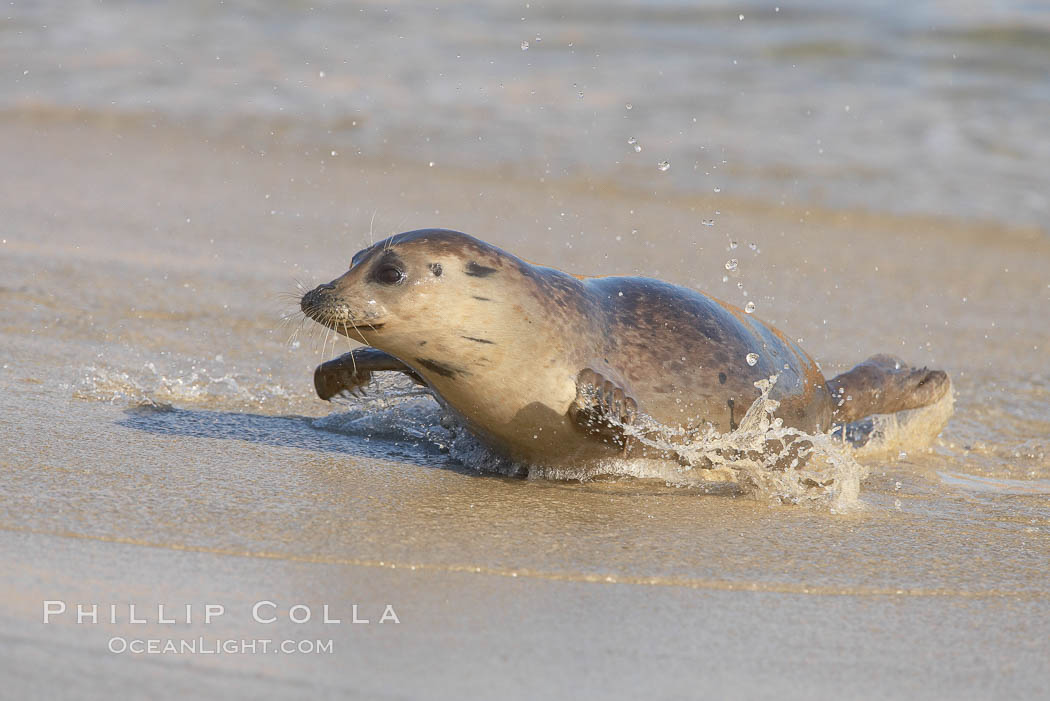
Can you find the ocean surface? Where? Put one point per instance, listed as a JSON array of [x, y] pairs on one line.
[[932, 106], [871, 176]]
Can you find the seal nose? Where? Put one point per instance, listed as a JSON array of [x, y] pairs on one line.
[[310, 299]]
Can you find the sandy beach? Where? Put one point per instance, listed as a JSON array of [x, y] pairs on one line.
[[162, 444], [181, 516]]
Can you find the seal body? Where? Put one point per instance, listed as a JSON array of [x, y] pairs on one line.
[[543, 365]]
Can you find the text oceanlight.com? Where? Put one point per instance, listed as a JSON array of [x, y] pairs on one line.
[[205, 646]]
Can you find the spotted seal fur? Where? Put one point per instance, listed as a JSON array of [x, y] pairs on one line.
[[547, 367]]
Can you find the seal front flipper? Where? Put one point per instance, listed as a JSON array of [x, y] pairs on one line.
[[603, 407], [352, 371]]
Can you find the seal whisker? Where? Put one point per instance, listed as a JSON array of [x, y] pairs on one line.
[[324, 343], [292, 314], [401, 222], [353, 360], [360, 335], [293, 336], [322, 335], [287, 320], [302, 323], [391, 240]]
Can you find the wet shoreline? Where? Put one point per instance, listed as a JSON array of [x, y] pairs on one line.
[[149, 263]]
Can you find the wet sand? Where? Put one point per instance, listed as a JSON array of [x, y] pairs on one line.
[[145, 262]]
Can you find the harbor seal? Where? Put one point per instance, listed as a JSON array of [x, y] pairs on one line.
[[547, 367]]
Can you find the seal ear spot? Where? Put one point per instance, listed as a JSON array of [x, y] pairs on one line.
[[475, 269]]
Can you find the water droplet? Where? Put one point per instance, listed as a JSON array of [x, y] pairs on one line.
[[750, 308], [334, 153], [902, 455], [320, 74], [731, 264], [708, 222], [732, 245], [753, 246], [740, 17], [431, 164], [634, 142], [718, 189], [663, 166], [629, 106], [752, 359], [524, 46], [897, 486]]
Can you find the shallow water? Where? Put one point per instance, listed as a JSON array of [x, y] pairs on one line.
[[928, 106]]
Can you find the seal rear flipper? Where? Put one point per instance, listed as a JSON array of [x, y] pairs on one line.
[[884, 384], [352, 371], [602, 408]]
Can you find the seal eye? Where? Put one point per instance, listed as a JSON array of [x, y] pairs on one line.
[[390, 274]]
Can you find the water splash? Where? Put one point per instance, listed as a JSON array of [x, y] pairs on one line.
[[895, 435], [767, 459], [760, 458], [197, 385]]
